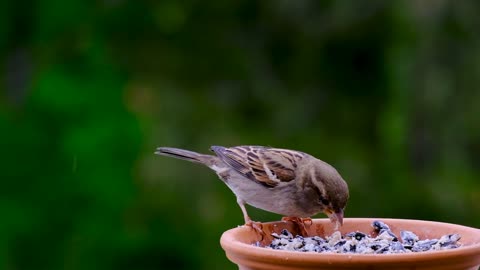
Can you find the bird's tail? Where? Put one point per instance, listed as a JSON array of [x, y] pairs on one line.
[[185, 155]]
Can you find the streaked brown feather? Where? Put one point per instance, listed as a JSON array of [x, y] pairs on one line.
[[254, 161]]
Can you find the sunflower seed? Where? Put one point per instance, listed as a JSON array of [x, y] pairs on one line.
[[385, 242]]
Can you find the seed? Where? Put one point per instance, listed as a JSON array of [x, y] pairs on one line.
[[286, 233], [340, 243], [397, 247], [378, 226], [318, 239], [375, 246], [387, 235], [385, 242], [449, 240], [408, 238], [357, 235], [382, 249], [424, 245]]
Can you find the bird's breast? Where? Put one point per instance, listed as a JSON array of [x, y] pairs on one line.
[[282, 199]]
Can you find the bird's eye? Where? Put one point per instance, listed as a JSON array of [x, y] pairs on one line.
[[324, 201]]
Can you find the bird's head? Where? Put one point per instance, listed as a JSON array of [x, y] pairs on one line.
[[332, 192]]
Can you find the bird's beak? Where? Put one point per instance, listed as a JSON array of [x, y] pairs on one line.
[[335, 217]]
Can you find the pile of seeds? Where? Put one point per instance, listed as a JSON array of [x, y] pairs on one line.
[[386, 242]]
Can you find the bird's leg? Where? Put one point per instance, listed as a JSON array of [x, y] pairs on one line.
[[257, 226], [301, 223]]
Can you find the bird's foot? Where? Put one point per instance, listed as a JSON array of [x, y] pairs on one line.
[[257, 226], [302, 224]]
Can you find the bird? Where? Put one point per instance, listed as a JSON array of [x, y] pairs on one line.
[[290, 183]]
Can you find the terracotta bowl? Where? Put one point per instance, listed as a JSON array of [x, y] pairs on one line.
[[238, 247]]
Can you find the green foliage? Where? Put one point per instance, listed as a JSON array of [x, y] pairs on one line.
[[384, 91]]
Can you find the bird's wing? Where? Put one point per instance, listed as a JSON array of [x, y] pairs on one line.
[[267, 166]]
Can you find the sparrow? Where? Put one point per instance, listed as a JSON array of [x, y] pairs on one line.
[[286, 182]]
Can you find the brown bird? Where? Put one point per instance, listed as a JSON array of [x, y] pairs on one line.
[[286, 182]]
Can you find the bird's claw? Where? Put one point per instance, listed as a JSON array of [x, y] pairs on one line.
[[257, 226], [302, 223]]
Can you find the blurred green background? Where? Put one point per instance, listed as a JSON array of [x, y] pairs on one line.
[[386, 91]]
